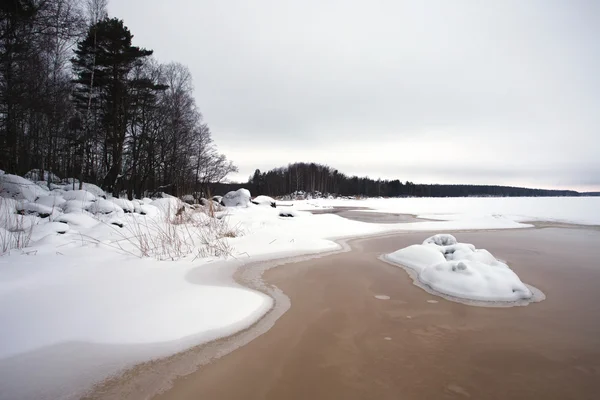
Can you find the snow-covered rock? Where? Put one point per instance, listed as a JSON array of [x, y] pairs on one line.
[[36, 175], [264, 201], [288, 213], [76, 206], [188, 198], [460, 270], [43, 211], [51, 228], [441, 239], [125, 204], [237, 198], [78, 220], [52, 200], [79, 195], [102, 206], [89, 187], [168, 206], [19, 188]]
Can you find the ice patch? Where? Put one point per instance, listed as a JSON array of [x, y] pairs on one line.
[[382, 297]]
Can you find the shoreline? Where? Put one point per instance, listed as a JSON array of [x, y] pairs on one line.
[[199, 356]]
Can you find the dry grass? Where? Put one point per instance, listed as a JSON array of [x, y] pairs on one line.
[[190, 231], [14, 232]]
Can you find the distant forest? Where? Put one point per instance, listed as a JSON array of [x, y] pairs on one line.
[[312, 178], [80, 100]]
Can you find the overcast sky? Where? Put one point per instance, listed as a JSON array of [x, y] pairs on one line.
[[497, 92]]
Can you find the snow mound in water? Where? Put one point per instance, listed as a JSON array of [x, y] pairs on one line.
[[441, 239], [461, 270], [237, 198]]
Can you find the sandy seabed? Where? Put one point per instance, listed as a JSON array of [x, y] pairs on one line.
[[338, 341]]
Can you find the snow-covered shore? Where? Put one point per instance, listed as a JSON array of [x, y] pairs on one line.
[[95, 271], [574, 210]]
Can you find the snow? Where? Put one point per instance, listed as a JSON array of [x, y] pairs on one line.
[[188, 198], [460, 270], [34, 175], [264, 201], [41, 231], [124, 204], [78, 220], [19, 188], [575, 210], [238, 198], [76, 206], [91, 274], [139, 291], [104, 207], [79, 195], [35, 208], [168, 206], [88, 187]]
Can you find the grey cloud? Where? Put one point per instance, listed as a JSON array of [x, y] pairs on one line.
[[497, 84]]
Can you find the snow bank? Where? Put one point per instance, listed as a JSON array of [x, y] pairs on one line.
[[238, 198], [460, 270], [77, 302], [147, 303]]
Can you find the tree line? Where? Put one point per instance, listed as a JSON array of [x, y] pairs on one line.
[[78, 99], [312, 178]]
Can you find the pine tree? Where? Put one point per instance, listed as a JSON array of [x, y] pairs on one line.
[[107, 55]]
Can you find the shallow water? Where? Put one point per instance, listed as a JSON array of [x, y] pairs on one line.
[[329, 344]]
